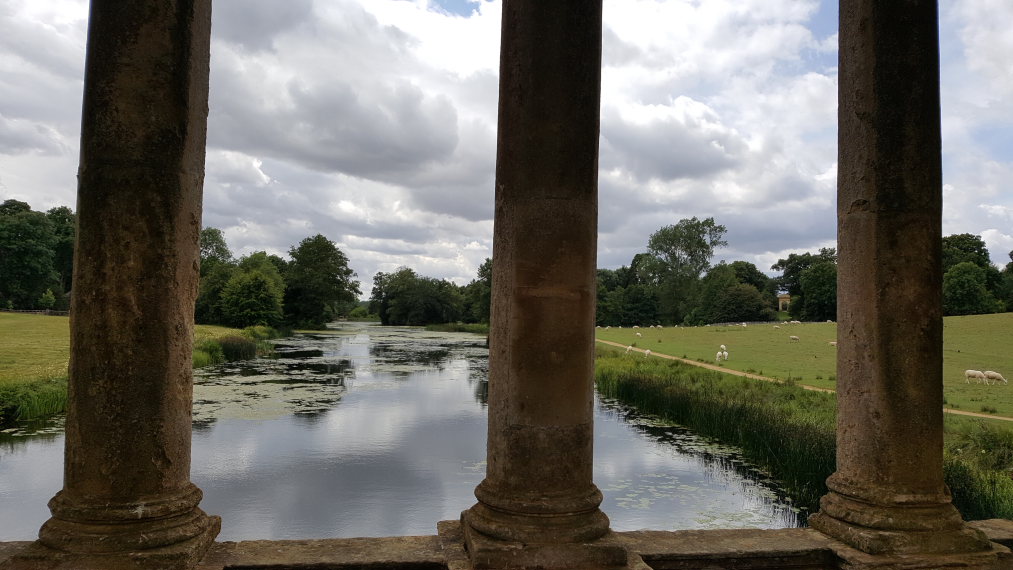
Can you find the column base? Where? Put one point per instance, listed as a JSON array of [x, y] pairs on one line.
[[120, 550], [487, 553], [997, 557], [896, 530]]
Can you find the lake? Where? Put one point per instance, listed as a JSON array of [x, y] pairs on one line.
[[365, 430]]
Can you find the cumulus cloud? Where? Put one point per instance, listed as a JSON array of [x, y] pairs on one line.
[[374, 123]]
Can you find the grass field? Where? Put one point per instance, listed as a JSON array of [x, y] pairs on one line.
[[980, 342], [34, 353]]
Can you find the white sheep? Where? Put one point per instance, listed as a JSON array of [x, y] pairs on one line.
[[647, 352], [832, 343], [976, 374], [723, 347], [636, 326], [995, 377], [717, 356], [724, 355], [776, 327], [793, 338], [639, 335], [629, 348]]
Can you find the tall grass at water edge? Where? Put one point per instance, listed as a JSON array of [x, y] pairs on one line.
[[790, 432]]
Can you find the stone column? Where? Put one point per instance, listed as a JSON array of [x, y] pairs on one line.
[[127, 500], [538, 487], [887, 496]]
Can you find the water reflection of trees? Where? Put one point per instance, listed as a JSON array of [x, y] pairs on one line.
[[718, 460], [435, 356]]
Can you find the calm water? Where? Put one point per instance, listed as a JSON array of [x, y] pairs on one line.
[[370, 431]]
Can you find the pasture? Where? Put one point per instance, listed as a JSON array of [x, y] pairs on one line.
[[981, 342], [37, 347]]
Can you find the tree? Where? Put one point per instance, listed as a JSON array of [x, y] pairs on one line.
[[47, 300], [320, 284], [27, 244], [213, 250], [958, 248], [964, 291], [478, 295], [685, 249], [405, 298], [64, 223], [819, 292], [791, 268], [208, 309], [251, 298], [679, 254]]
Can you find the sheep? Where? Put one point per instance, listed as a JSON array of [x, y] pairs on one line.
[[776, 327], [647, 353], [976, 374], [793, 338], [629, 348], [832, 343], [723, 347], [717, 356], [724, 355], [636, 326], [995, 377], [639, 335]]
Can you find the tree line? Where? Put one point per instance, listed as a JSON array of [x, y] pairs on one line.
[[672, 282], [312, 288]]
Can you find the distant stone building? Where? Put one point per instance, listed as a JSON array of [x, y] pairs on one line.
[[783, 302]]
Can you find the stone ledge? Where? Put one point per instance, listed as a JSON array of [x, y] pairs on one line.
[[662, 550]]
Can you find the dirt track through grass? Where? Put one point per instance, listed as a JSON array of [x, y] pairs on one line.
[[775, 380]]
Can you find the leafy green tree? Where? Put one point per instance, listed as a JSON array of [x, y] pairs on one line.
[[679, 254], [260, 261], [819, 291], [47, 300], [27, 244], [213, 280], [251, 298], [11, 207], [320, 283], [958, 248], [478, 295], [405, 298], [64, 223], [213, 250], [741, 302], [749, 274], [791, 268], [964, 291]]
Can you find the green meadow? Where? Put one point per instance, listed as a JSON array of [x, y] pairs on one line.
[[980, 342], [35, 350]]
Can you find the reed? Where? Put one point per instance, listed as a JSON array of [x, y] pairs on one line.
[[790, 432], [32, 400]]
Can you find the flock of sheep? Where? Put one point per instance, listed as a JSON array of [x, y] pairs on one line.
[[987, 377], [981, 377]]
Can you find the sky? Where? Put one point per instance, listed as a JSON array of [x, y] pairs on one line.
[[373, 122]]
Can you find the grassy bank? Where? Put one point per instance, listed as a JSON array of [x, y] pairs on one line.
[[35, 349], [979, 342], [790, 432]]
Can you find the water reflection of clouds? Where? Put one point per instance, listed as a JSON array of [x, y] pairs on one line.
[[405, 447]]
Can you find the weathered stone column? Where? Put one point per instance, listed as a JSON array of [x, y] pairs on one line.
[[887, 496], [127, 500], [538, 487]]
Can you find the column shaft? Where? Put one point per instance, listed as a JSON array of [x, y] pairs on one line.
[[538, 485], [887, 495], [127, 464]]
